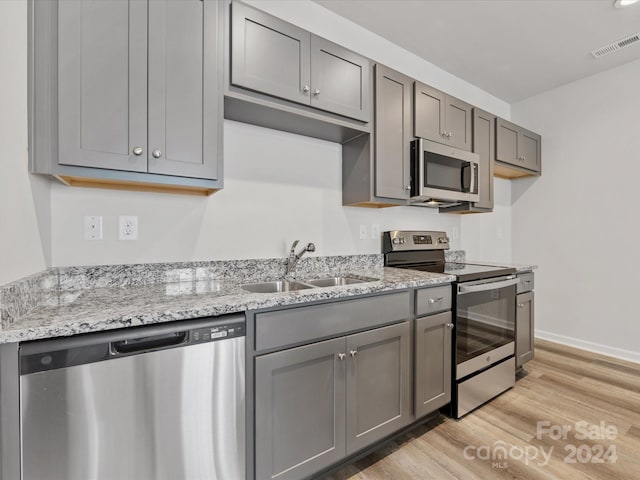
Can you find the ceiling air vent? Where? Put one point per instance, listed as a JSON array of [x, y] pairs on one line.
[[615, 46]]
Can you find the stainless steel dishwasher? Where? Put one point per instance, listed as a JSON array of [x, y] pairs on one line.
[[163, 402]]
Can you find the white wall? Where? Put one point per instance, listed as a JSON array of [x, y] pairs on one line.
[[487, 236], [278, 187], [579, 220], [24, 199]]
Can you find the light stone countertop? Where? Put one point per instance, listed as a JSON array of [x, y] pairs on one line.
[[71, 312]]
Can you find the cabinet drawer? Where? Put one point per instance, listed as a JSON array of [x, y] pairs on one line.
[[432, 300], [525, 282], [296, 325]]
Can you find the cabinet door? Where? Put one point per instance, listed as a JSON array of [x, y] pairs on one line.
[[378, 384], [458, 123], [507, 142], [339, 80], [102, 84], [524, 328], [393, 133], [529, 150], [429, 113], [433, 363], [269, 55], [300, 410], [484, 141], [185, 88]]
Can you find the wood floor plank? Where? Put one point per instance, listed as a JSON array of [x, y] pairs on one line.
[[563, 386]]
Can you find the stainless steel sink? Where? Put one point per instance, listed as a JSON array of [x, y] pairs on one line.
[[275, 286], [336, 281]]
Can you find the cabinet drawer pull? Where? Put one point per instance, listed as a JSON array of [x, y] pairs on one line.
[[450, 325], [353, 353], [435, 300], [156, 153], [316, 93], [449, 134], [521, 305], [342, 356], [306, 89], [138, 151], [443, 133]]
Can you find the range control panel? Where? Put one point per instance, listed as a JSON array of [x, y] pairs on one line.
[[402, 240]]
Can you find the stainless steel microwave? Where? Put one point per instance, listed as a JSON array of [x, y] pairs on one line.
[[442, 175]]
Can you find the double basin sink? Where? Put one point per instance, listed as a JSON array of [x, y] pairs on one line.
[[294, 285]]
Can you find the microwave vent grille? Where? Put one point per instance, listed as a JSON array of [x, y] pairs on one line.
[[615, 46]]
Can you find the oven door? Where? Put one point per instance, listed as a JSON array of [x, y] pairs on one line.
[[485, 323]]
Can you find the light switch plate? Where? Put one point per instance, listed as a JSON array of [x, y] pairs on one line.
[[93, 227]]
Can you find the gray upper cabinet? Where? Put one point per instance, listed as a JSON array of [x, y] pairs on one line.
[[484, 141], [128, 94], [516, 147], [276, 58], [392, 123], [378, 384], [300, 410], [185, 135], [441, 118], [102, 84], [269, 55], [339, 80], [433, 363]]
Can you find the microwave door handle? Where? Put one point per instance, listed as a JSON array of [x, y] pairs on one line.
[[420, 179], [462, 289], [474, 169]]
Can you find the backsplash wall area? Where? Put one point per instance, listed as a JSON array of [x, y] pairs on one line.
[[278, 187]]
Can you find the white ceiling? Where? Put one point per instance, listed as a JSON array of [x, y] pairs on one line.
[[513, 49]]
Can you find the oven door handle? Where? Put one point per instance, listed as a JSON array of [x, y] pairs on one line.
[[462, 289]]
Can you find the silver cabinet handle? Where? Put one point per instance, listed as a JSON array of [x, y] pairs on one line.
[[435, 300], [443, 133], [156, 153], [450, 325], [342, 356], [353, 353], [138, 151], [449, 134], [524, 157], [306, 89], [407, 187], [316, 92], [521, 305]]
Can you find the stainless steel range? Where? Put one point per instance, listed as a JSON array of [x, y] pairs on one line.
[[484, 315]]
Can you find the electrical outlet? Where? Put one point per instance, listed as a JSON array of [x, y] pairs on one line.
[[93, 227], [128, 227], [375, 231], [363, 232]]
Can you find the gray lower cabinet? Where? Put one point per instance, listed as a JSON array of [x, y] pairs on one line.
[[441, 118], [317, 403], [128, 86], [433, 363], [516, 147], [276, 58], [300, 410], [524, 328]]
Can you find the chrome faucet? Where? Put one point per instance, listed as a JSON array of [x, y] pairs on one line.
[[292, 261]]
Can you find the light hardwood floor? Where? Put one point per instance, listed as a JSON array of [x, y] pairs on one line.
[[563, 386]]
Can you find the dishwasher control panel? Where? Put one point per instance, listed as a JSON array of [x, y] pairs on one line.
[[218, 332]]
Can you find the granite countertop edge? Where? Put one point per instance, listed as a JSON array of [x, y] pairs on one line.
[[101, 309]]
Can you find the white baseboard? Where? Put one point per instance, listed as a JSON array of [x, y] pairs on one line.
[[590, 346]]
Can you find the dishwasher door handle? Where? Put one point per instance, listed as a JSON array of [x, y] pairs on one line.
[[142, 344]]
